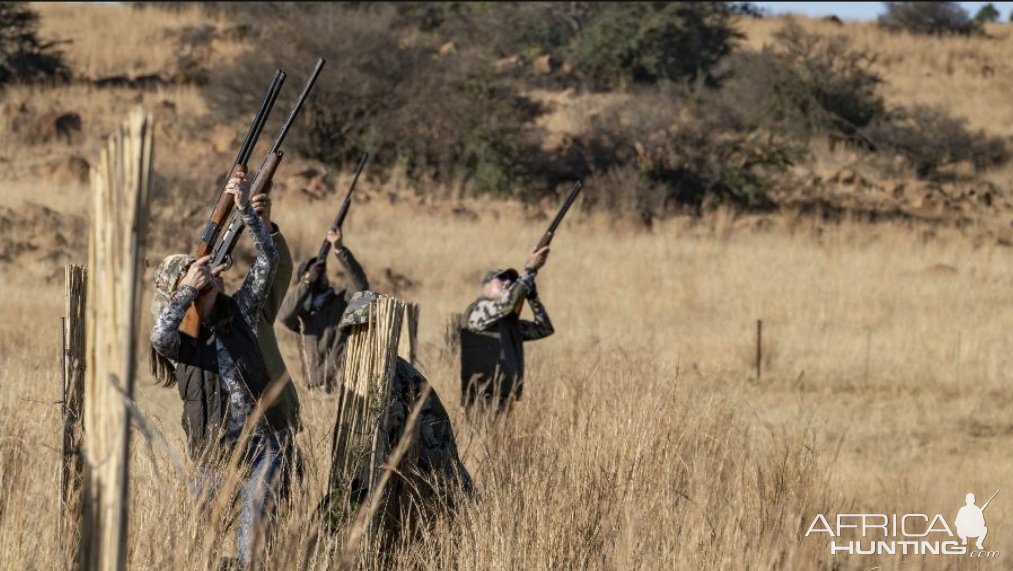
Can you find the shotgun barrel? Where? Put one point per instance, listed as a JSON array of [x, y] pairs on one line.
[[570, 198], [222, 252], [339, 220]]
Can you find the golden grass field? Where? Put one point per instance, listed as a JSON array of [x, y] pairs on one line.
[[644, 439]]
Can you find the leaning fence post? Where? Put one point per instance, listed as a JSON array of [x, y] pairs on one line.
[[72, 356], [120, 182]]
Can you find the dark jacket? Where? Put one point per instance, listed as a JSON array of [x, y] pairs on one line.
[[428, 471], [269, 313], [322, 346], [492, 344], [219, 399], [199, 382]]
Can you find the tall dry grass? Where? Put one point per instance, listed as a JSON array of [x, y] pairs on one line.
[[643, 439]]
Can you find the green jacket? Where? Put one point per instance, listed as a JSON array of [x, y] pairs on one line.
[[266, 338]]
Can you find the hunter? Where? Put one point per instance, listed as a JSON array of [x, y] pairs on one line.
[[221, 376], [429, 472], [493, 336], [313, 309]]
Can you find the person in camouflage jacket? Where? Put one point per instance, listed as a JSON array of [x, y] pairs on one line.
[[221, 375], [313, 308], [493, 335], [429, 471]]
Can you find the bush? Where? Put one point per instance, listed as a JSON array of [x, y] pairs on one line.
[[938, 18], [987, 13], [24, 58], [930, 140], [647, 42], [695, 149], [443, 117], [804, 85]]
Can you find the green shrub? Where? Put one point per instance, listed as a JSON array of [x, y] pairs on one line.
[[647, 42], [446, 118], [936, 18], [24, 58], [693, 146], [931, 140], [811, 84], [987, 13]]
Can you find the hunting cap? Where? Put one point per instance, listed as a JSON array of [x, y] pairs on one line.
[[508, 273], [166, 278], [357, 312]]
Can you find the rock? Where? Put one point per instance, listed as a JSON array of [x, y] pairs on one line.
[[55, 125], [507, 64], [449, 48], [546, 64], [895, 189], [845, 176], [71, 170]]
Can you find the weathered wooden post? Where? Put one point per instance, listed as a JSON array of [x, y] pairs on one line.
[[759, 347], [120, 182], [412, 317], [452, 335], [72, 358]]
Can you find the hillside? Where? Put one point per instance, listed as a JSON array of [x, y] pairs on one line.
[[966, 77]]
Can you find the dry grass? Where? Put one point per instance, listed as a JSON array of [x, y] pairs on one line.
[[643, 440], [149, 35], [970, 77]]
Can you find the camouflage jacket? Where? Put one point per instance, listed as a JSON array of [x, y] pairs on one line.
[[221, 374], [323, 343], [427, 473], [492, 337]]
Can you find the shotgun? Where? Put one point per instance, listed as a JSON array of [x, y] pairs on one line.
[[222, 252], [547, 237], [223, 206], [343, 212]]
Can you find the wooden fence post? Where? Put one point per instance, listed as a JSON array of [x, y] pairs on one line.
[[120, 182], [72, 359], [412, 318]]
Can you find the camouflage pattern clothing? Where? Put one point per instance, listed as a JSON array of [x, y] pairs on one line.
[[245, 304], [430, 469], [492, 337], [315, 315]]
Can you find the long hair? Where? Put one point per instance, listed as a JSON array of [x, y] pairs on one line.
[[161, 368]]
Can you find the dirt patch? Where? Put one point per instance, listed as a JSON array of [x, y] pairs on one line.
[[40, 241]]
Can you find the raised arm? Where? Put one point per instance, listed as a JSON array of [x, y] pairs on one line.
[[541, 327], [253, 293], [292, 307], [356, 275], [486, 312], [165, 331]]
